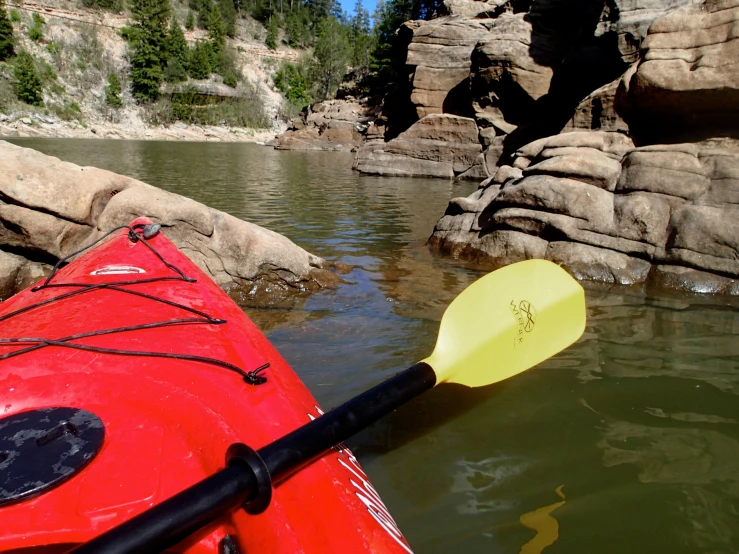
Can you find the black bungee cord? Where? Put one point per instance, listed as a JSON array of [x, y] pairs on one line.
[[139, 233]]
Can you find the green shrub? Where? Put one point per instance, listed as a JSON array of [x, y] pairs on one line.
[[46, 72], [15, 16], [190, 21], [53, 48], [230, 80], [7, 40], [27, 83], [293, 81], [36, 32], [57, 89], [113, 91], [67, 112]]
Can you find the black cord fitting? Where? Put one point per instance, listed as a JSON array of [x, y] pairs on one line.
[[241, 454]]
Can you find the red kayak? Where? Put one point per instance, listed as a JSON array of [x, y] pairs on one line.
[[124, 378]]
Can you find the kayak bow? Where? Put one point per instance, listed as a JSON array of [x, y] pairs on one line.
[[133, 373]]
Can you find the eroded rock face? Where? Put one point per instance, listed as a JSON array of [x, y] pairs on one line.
[[328, 125], [688, 80], [439, 145], [439, 54], [50, 208], [608, 212]]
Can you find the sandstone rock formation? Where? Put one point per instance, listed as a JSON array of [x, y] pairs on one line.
[[439, 145], [328, 125], [523, 69], [50, 208], [607, 212], [688, 79]]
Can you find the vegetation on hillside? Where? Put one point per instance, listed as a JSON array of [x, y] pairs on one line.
[[343, 46], [342, 51]]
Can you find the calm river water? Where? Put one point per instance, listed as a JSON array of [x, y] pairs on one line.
[[628, 442]]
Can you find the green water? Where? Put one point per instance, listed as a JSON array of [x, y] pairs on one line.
[[638, 422]]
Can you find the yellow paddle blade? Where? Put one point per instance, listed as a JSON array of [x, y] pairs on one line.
[[506, 322]]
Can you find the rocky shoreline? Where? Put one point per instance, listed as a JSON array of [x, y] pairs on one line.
[[36, 125], [50, 208]]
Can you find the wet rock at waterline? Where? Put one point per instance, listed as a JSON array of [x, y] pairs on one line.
[[607, 211], [50, 208]]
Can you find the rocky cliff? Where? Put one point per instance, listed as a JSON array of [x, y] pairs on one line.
[[651, 197], [50, 208]]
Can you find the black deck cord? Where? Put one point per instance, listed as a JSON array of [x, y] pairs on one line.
[[147, 231]]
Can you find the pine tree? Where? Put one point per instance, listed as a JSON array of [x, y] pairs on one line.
[[113, 91], [177, 44], [206, 6], [228, 12], [332, 54], [217, 35], [149, 55], [200, 61], [28, 83], [190, 22], [7, 40], [272, 30]]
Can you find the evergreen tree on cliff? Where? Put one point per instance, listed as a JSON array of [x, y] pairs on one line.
[[332, 54], [217, 35], [149, 56], [177, 44], [27, 84], [7, 40], [387, 60]]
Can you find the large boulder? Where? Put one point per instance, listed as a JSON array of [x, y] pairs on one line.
[[50, 208], [439, 145], [328, 125], [606, 211]]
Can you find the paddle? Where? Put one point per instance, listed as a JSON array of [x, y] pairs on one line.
[[501, 325]]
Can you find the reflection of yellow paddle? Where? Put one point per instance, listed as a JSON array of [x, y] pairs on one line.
[[546, 527]]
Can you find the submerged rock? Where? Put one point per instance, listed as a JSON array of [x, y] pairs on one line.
[[50, 208]]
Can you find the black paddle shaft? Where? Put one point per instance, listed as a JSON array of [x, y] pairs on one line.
[[170, 522]]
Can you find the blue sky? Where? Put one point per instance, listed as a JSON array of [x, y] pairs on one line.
[[348, 6]]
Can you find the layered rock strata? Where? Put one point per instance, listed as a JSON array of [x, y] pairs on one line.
[[607, 211], [50, 208], [662, 212], [439, 145]]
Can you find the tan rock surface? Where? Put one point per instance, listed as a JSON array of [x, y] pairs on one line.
[[50, 208], [607, 218], [439, 145]]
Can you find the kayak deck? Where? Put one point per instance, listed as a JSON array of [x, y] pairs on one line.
[[176, 372]]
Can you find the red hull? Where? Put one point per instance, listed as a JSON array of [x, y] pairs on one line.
[[169, 422]]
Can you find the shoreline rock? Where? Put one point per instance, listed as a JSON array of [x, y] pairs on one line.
[[338, 125], [37, 125], [51, 208]]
